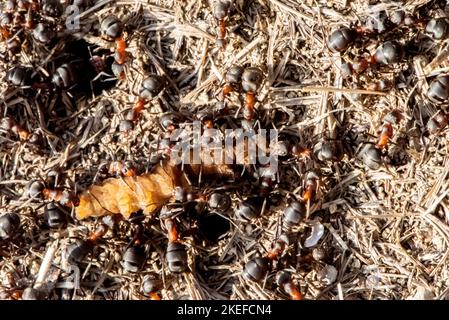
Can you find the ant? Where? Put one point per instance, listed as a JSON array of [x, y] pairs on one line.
[[64, 197], [341, 39], [118, 169], [52, 8], [13, 17], [36, 188], [176, 254], [257, 268], [5, 21], [135, 255], [44, 34], [380, 85], [386, 132], [300, 152], [220, 13], [328, 150], [112, 29], [20, 76], [387, 53], [371, 156], [150, 88], [284, 281], [168, 215], [251, 81], [10, 125], [385, 135], [278, 247], [54, 217], [438, 29], [176, 257], [250, 208], [293, 214], [78, 251], [370, 153], [71, 73]]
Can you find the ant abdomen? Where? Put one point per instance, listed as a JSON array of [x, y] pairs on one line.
[[176, 257], [438, 91], [256, 269], [389, 52], [341, 39], [438, 29]]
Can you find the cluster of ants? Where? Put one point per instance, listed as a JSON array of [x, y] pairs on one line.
[[35, 28], [36, 25], [389, 53]]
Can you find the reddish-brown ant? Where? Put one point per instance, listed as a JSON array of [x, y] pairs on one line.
[[301, 152], [135, 255], [172, 230], [37, 188], [9, 225], [341, 39], [220, 13], [150, 88], [438, 91], [112, 30], [251, 80], [257, 268], [176, 254], [387, 129], [121, 53], [387, 53], [77, 252], [277, 249], [372, 154]]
